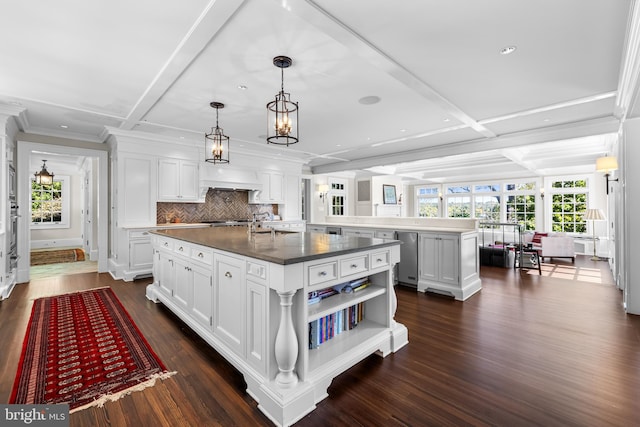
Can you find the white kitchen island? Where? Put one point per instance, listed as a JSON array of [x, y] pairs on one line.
[[246, 295]]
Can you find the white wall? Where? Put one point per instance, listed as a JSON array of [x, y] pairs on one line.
[[629, 191]]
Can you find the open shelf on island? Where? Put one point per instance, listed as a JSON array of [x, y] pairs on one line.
[[341, 301], [344, 343]]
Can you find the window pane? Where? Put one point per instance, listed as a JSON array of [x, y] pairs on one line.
[[456, 190], [487, 208], [428, 207], [521, 210], [459, 207]]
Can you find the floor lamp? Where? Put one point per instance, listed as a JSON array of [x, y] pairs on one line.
[[594, 215]]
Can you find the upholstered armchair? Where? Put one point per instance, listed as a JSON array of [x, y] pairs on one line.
[[557, 246]]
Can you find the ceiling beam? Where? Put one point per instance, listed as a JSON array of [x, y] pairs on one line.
[[330, 25], [209, 23], [599, 126]]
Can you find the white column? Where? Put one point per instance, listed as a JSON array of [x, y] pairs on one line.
[[286, 345]]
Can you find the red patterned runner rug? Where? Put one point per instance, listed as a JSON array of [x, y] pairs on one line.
[[83, 349]]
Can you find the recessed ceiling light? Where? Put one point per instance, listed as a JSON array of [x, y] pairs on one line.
[[64, 126], [182, 137], [242, 87], [546, 120], [338, 145], [403, 130], [369, 100], [446, 120], [507, 50]]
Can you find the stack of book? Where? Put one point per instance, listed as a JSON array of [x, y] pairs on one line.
[[317, 296], [327, 327]]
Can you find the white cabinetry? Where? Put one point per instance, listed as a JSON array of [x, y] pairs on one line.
[[177, 180], [261, 318], [228, 297], [136, 190], [358, 232], [272, 188], [140, 251], [292, 198], [448, 264]]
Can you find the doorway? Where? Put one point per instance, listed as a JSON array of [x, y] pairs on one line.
[[99, 191]]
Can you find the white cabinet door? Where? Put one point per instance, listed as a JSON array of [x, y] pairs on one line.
[[136, 191], [276, 187], [189, 180], [272, 188], [182, 282], [439, 257], [428, 256], [228, 300], [177, 180], [140, 254], [168, 183], [449, 259], [165, 271], [202, 306], [292, 202]]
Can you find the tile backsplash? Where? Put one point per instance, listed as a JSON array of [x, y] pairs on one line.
[[219, 204]]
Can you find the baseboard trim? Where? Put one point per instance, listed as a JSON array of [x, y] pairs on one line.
[[56, 243]]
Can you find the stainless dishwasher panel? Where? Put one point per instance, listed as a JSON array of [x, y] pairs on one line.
[[408, 265]]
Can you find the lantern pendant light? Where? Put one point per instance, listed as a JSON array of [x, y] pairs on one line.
[[216, 143], [282, 113], [44, 177]]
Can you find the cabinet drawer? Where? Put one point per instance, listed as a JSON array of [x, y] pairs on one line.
[[379, 259], [182, 248], [202, 255], [140, 234], [354, 265], [385, 234], [165, 243], [323, 273]]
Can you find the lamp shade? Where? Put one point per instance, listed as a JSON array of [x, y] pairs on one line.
[[594, 215], [606, 164]]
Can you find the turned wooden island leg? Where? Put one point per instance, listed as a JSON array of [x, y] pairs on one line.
[[286, 345]]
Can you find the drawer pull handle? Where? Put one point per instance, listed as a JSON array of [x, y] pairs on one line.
[[379, 260], [166, 243], [322, 273], [200, 255], [354, 266], [181, 249], [228, 274], [145, 233]]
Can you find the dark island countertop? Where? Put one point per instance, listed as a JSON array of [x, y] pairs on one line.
[[283, 248]]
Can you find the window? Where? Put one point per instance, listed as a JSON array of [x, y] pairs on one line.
[[337, 196], [50, 204], [487, 207], [521, 204], [428, 202], [458, 206], [568, 205]]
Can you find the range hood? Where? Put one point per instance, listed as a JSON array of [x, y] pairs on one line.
[[228, 179]]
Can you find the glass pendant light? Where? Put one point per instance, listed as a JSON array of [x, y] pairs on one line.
[[44, 177], [282, 113], [216, 143]]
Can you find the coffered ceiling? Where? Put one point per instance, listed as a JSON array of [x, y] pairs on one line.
[[449, 103]]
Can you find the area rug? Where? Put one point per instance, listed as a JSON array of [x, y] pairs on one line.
[[56, 256], [83, 349]]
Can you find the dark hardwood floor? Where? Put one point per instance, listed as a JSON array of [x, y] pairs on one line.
[[526, 350]]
